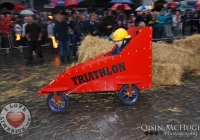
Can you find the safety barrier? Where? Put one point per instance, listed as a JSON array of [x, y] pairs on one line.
[[17, 40], [5, 42]]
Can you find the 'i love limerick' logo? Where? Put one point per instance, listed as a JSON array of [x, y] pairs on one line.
[[15, 118]]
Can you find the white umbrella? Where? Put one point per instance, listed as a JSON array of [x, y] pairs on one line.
[[143, 7], [26, 13]]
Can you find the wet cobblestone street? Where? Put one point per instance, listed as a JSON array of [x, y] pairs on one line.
[[95, 116]]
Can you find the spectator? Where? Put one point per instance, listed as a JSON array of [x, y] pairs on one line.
[[160, 26], [125, 24], [50, 28], [62, 37], [77, 33], [121, 16], [34, 36], [108, 25], [6, 30], [187, 23], [5, 11], [198, 12], [142, 24], [120, 24], [66, 12], [37, 18], [44, 32], [99, 19], [131, 21], [153, 24], [91, 26], [18, 31], [83, 19], [195, 23], [168, 26], [70, 26], [176, 24], [24, 40], [145, 17]]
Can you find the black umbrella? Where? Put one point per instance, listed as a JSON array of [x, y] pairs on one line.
[[7, 5], [158, 5]]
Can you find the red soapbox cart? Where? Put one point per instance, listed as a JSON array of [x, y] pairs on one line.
[[126, 74]]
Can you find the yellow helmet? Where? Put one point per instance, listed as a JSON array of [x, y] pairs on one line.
[[120, 34]]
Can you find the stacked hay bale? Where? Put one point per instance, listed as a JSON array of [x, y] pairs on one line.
[[191, 43], [169, 61], [167, 74], [92, 47]]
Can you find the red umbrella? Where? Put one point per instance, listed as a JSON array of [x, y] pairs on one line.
[[18, 7], [71, 2], [64, 2], [121, 7], [171, 5], [197, 4]]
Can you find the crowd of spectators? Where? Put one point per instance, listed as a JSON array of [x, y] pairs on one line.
[[166, 24]]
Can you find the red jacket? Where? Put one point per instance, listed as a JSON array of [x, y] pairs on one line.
[[5, 29]]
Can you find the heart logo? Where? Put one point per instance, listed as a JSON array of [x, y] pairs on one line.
[[15, 119]]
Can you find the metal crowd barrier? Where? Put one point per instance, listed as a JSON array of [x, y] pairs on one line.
[[5, 43], [14, 42]]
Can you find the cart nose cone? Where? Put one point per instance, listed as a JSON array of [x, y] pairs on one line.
[[40, 92]]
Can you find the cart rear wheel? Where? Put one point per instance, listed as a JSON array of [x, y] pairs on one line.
[[61, 106], [124, 95]]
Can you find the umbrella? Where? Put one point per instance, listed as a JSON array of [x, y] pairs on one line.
[[57, 3], [33, 10], [158, 5], [186, 7], [18, 7], [197, 4], [71, 2], [143, 7], [171, 5], [99, 9], [7, 5], [80, 1], [182, 3], [121, 2], [64, 2], [121, 7], [26, 13]]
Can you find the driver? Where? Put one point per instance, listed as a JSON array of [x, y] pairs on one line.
[[122, 39]]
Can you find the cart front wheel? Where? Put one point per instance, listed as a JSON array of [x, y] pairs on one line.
[[61, 106], [127, 99]]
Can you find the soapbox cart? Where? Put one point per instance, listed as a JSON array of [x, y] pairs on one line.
[[125, 74]]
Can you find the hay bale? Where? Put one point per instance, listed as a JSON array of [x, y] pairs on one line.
[[191, 42], [166, 53], [92, 47], [167, 74]]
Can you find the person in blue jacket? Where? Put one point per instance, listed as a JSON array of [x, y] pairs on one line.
[[168, 25], [160, 26]]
